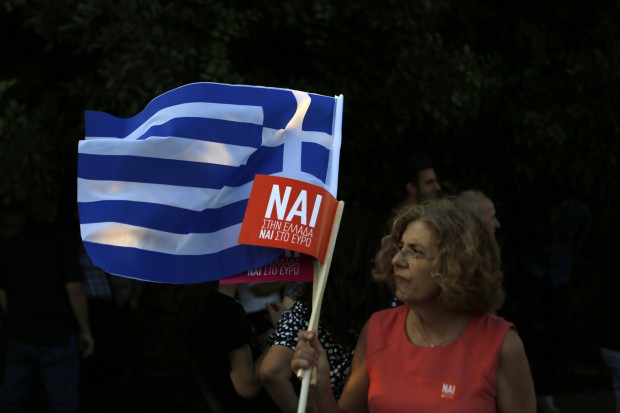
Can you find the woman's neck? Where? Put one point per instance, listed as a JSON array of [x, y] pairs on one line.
[[434, 327]]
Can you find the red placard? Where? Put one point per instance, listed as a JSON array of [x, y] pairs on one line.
[[289, 214]]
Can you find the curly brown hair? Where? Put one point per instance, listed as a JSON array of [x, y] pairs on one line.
[[467, 263]]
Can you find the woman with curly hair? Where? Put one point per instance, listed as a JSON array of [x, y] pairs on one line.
[[444, 350]]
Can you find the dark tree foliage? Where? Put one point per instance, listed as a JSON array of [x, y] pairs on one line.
[[501, 95]]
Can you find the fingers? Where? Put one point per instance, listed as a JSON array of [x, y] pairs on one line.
[[306, 335], [311, 339], [305, 356]]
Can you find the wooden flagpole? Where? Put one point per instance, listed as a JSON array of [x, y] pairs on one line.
[[318, 288]]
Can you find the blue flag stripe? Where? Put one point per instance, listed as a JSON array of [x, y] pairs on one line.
[[102, 125], [320, 115], [316, 157], [278, 106], [177, 220], [179, 269], [212, 130]]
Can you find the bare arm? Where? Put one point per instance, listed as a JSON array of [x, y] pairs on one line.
[[79, 305], [242, 372], [515, 387], [354, 396], [310, 353], [275, 373]]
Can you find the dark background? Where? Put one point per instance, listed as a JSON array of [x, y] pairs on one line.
[[508, 97]]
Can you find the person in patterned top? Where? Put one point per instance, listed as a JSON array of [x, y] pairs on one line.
[[350, 297]]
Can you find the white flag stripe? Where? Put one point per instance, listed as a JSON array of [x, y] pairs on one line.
[[234, 113], [275, 137], [191, 198], [184, 149], [122, 235], [170, 147]]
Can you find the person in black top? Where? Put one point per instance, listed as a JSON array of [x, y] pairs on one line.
[[224, 350], [46, 313]]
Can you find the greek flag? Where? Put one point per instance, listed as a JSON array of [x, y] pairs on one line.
[[162, 195]]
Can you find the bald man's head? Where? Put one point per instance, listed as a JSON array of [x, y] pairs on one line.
[[482, 206]]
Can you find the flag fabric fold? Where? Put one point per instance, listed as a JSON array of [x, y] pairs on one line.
[[162, 195]]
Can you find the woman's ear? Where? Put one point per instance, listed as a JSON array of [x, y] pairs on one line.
[[411, 189]]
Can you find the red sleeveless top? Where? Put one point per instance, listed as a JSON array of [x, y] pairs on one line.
[[459, 377]]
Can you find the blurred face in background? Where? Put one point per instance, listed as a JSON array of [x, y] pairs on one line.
[[489, 219], [428, 185]]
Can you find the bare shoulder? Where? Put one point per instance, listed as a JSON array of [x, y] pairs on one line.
[[512, 343], [512, 352]]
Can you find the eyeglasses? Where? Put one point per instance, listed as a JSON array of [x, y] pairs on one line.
[[411, 254]]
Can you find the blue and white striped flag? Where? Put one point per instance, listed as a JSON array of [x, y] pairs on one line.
[[162, 195]]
